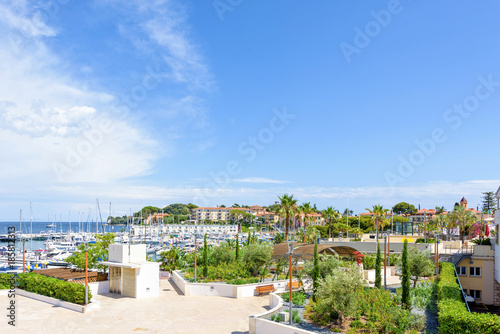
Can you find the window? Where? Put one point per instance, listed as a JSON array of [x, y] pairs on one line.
[[462, 271], [474, 271], [476, 294]]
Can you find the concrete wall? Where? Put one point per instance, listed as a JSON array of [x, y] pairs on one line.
[[221, 289], [263, 326], [119, 253], [371, 247], [148, 280], [497, 248], [59, 303], [98, 288]]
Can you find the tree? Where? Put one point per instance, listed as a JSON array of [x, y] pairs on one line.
[[405, 277], [378, 216], [418, 264], [315, 273], [288, 204], [305, 209], [205, 256], [463, 219], [347, 211], [489, 203], [237, 247], [171, 260], [257, 255], [404, 208], [329, 214], [440, 210], [378, 268], [337, 292], [96, 253]]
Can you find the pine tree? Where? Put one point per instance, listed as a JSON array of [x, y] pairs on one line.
[[205, 256], [378, 268], [249, 238], [237, 247], [489, 203], [315, 273], [405, 277]]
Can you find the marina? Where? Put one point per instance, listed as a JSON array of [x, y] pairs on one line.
[[50, 249]]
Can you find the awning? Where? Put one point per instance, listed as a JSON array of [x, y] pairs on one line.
[[121, 265]]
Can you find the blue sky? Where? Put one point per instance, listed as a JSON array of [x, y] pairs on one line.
[[217, 102]]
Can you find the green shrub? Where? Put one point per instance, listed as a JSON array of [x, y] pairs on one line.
[[422, 240], [53, 287], [298, 297], [5, 281], [453, 315], [241, 281]]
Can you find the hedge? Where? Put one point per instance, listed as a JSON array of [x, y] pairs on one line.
[[453, 315], [53, 287], [5, 281]]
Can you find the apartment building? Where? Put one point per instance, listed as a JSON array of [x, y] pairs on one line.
[[215, 213], [475, 273]]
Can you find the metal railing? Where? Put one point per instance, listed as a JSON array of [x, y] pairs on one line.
[[461, 289]]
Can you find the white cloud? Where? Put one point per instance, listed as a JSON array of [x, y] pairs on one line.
[[430, 194], [45, 113], [259, 180]]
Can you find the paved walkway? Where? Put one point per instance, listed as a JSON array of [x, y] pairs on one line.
[[169, 313]]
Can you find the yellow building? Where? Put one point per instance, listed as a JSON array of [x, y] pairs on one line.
[[475, 272]]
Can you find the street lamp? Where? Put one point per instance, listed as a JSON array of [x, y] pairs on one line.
[[436, 252], [290, 251], [86, 275], [24, 266], [195, 247], [385, 260]]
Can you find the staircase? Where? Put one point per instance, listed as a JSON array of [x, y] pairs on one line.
[[463, 253]]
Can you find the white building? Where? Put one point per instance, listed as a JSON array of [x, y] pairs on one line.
[[130, 274], [181, 229], [496, 246]]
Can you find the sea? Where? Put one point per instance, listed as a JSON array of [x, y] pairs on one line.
[[41, 227]]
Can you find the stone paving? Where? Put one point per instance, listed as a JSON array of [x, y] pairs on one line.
[[171, 312]]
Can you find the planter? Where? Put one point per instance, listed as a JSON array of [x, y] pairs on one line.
[[221, 289], [57, 302]]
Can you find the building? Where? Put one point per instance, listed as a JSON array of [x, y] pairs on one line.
[[130, 274], [182, 229], [496, 246], [216, 213], [475, 272]]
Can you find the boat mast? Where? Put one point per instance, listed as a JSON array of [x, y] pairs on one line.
[[96, 224], [70, 224], [20, 222], [31, 229]]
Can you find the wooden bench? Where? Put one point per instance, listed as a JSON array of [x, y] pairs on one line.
[[295, 285], [265, 288]]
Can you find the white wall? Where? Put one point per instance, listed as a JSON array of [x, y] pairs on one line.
[[221, 289], [148, 280], [98, 288], [119, 253], [497, 248]]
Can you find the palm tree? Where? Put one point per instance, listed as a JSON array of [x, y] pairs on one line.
[[463, 218], [305, 209], [287, 204], [440, 210], [378, 216], [330, 213]]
